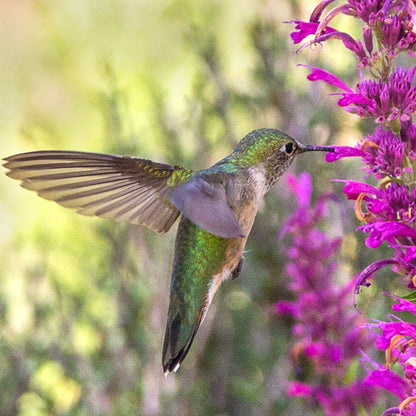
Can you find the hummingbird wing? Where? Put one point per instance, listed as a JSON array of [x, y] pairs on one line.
[[123, 188], [210, 205]]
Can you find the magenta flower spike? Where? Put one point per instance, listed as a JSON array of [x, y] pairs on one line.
[[398, 339], [385, 93], [327, 330]]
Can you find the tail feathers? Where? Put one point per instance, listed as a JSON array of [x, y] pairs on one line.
[[178, 341]]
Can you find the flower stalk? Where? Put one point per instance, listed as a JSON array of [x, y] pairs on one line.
[[385, 93], [328, 332]]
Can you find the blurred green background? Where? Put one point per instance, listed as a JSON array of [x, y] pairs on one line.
[[83, 301]]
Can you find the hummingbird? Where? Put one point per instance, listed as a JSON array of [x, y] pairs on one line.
[[217, 207]]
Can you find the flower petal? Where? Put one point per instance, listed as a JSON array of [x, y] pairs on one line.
[[355, 98], [317, 11], [353, 189], [302, 30], [319, 74], [301, 186], [369, 271], [342, 151], [388, 380], [385, 231], [299, 389], [403, 305]]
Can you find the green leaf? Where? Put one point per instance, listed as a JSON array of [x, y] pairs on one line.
[[411, 297]]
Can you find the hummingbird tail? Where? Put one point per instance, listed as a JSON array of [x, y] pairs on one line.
[[173, 363], [178, 341]]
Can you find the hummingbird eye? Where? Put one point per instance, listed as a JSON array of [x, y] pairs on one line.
[[289, 148]]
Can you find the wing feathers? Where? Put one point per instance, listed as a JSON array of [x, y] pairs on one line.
[[207, 206], [119, 187]]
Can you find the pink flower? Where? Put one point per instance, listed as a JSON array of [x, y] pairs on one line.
[[341, 152], [387, 210]]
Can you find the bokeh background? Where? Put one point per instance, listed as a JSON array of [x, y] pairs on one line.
[[83, 301]]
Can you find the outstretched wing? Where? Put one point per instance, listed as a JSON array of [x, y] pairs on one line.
[[119, 187]]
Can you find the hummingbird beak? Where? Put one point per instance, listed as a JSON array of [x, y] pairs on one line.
[[311, 148]]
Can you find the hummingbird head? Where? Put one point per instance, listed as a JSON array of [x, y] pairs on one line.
[[271, 152]]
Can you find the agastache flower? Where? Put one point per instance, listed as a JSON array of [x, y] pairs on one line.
[[387, 211], [326, 325], [383, 154], [392, 22], [304, 29], [341, 152], [398, 339], [388, 100], [389, 153]]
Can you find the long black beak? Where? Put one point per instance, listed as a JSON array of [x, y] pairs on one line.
[[311, 148]]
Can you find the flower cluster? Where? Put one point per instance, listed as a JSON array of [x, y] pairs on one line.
[[388, 23], [386, 93], [388, 212], [398, 338], [326, 325], [391, 99]]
